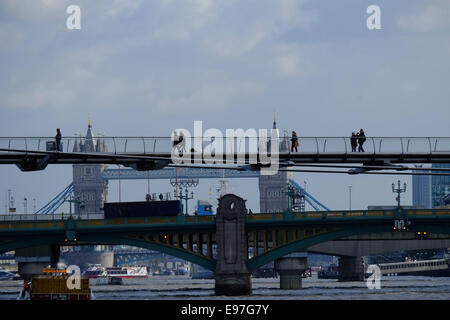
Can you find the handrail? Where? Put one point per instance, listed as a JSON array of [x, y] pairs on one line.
[[143, 143], [401, 142], [373, 143], [311, 145], [429, 142]]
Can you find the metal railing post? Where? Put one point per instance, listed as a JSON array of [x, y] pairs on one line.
[[317, 146], [401, 142]]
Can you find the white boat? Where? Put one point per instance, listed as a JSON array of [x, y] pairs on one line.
[[97, 271], [127, 272], [6, 275]]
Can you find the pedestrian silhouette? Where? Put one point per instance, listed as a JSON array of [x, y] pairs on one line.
[[182, 144], [294, 141], [354, 141], [58, 139], [361, 140], [175, 139]]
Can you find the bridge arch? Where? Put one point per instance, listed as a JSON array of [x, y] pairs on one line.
[[303, 244], [114, 240], [202, 261]]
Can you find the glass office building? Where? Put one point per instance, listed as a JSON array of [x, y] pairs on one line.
[[421, 188], [440, 186], [429, 191]]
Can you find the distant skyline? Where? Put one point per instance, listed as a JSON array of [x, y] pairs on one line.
[[143, 68]]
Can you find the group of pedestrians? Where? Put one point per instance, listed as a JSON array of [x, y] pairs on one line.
[[357, 140]]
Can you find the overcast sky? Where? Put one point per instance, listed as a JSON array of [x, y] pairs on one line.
[[143, 68]]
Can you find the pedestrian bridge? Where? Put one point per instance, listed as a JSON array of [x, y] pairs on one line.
[[148, 153], [267, 236]]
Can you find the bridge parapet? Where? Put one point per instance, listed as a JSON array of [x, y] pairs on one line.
[[316, 145], [32, 221]]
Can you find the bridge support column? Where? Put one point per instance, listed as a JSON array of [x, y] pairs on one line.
[[232, 276], [290, 269], [31, 261], [351, 269]]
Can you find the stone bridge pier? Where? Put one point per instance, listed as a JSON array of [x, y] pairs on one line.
[[351, 268], [232, 276], [32, 260], [290, 269]]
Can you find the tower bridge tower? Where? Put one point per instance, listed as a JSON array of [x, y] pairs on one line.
[[89, 188], [272, 197]]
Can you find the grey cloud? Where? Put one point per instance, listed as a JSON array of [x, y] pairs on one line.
[[432, 16]]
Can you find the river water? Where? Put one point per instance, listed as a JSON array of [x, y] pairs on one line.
[[185, 288]]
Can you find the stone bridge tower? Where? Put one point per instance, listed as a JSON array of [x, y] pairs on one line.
[[89, 187], [272, 197]]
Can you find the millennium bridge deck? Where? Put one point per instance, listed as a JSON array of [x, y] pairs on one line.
[[121, 150]]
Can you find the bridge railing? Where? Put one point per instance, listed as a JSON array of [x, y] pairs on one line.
[[354, 214], [148, 145], [47, 217]]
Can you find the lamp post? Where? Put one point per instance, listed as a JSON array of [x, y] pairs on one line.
[[9, 200], [398, 190], [25, 205], [78, 202], [350, 198], [185, 197]]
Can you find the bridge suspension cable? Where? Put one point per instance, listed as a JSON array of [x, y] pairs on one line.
[[57, 201]]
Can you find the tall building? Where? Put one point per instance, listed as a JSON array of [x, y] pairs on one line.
[[89, 187], [272, 195], [421, 187], [430, 191], [440, 186]]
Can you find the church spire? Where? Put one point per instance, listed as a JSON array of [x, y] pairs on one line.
[[89, 141], [274, 120]]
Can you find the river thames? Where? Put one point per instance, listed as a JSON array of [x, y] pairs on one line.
[[185, 288]]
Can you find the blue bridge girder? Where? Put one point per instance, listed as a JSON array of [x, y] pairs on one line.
[[56, 202], [308, 197], [133, 256], [181, 173]]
